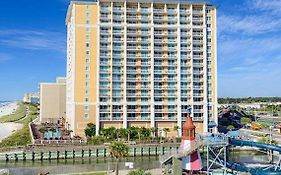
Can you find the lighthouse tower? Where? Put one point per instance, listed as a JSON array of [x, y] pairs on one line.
[[191, 162]]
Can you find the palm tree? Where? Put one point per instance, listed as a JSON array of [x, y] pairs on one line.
[[139, 133], [176, 128], [118, 150], [166, 130], [138, 172], [153, 131]]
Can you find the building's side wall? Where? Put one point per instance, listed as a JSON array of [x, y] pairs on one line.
[[85, 88], [52, 102]]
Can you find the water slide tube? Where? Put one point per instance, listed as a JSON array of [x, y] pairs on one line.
[[254, 171]]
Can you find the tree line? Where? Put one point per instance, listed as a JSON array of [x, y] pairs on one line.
[[229, 100]]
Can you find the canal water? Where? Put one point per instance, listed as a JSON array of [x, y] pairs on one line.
[[79, 165]]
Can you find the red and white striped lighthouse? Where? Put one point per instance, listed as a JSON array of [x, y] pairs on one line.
[[191, 162]]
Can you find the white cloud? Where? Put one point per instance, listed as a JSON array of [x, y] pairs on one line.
[[269, 6], [33, 40], [5, 57], [250, 25]]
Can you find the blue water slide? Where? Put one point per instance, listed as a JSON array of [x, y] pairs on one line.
[[254, 171], [236, 142]]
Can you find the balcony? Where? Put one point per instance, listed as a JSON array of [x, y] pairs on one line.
[[198, 110], [104, 95], [117, 64], [197, 41], [132, 9], [198, 72], [131, 87], [105, 9], [131, 63], [131, 110], [159, 10], [104, 63], [104, 71], [198, 87], [104, 87], [118, 9], [198, 95], [198, 80], [145, 10], [104, 79], [200, 20], [197, 33], [184, 11], [197, 12], [197, 57], [105, 110], [104, 118], [117, 79], [198, 64]]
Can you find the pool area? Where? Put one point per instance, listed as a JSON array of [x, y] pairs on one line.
[[53, 135]]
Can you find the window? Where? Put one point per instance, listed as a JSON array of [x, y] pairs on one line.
[[209, 55], [210, 107], [208, 11], [210, 100], [88, 45], [88, 22], [88, 7], [209, 84], [209, 92], [88, 29], [209, 77], [88, 37], [87, 107], [87, 68], [209, 47], [86, 99], [208, 18], [87, 84], [209, 40], [87, 75], [86, 115], [88, 14], [87, 60], [209, 62], [87, 52], [209, 70], [208, 25], [87, 92], [209, 32]]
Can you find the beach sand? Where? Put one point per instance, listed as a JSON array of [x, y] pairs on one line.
[[8, 108], [7, 129]]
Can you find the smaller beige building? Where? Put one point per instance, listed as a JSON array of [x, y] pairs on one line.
[[53, 101]]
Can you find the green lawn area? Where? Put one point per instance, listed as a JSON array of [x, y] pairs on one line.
[[19, 114], [21, 137]]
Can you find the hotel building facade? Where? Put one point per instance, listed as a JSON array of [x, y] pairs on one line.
[[141, 63]]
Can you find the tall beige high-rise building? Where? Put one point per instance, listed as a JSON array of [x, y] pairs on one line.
[[141, 63]]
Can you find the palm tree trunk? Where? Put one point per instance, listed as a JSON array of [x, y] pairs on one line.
[[117, 168]]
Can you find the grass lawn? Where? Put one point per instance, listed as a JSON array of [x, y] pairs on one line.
[[21, 137], [19, 114]]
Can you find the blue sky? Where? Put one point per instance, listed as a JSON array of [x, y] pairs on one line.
[[33, 41]]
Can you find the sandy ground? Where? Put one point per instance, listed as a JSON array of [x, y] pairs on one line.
[[8, 109], [7, 129]]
